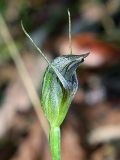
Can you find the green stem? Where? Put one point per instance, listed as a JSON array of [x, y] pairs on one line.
[[55, 143]]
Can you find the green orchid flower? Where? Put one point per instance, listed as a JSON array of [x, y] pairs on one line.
[[58, 90], [59, 87]]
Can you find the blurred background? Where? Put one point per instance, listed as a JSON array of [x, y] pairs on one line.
[[91, 129]]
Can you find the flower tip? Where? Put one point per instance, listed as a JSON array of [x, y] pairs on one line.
[[86, 54]]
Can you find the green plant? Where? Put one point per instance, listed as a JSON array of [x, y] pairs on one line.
[[59, 87]]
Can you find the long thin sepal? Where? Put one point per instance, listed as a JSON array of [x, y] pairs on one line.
[[70, 32]]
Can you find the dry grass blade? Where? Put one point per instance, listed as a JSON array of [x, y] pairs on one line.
[[14, 53]]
